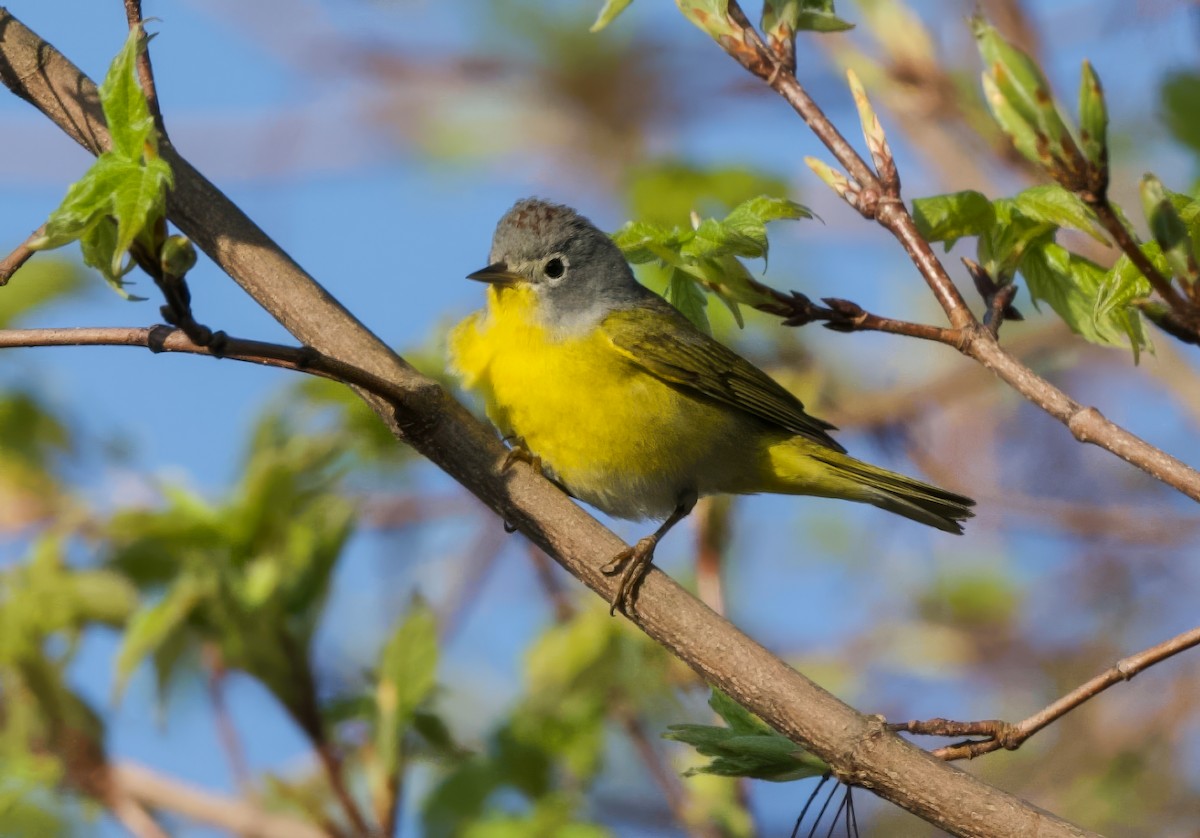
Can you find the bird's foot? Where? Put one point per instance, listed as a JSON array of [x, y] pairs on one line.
[[633, 563], [519, 452]]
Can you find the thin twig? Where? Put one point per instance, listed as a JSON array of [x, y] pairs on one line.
[[1001, 734], [20, 255], [226, 731]]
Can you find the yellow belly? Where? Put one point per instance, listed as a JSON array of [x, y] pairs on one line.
[[613, 434]]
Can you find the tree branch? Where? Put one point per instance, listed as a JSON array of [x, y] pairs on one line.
[[976, 341], [859, 748], [1001, 734], [147, 788]]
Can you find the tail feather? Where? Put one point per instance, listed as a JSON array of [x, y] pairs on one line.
[[902, 495]]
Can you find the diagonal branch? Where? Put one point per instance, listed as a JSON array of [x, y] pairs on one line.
[[1087, 424], [143, 787], [1001, 734], [858, 748]]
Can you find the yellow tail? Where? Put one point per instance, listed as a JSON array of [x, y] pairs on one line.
[[804, 468]]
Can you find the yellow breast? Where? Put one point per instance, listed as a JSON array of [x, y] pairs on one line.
[[613, 434]]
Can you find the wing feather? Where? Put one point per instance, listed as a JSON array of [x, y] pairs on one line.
[[675, 351]]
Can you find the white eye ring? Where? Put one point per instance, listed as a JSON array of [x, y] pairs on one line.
[[555, 268]]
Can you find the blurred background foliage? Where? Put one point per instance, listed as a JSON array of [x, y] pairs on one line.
[[432, 676]]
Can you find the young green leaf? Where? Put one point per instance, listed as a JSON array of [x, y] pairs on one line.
[[152, 625], [948, 218], [749, 219], [712, 16], [690, 300], [609, 13], [642, 242], [1054, 205], [1168, 229], [1093, 119], [1072, 285], [746, 748], [811, 15], [125, 109], [126, 186], [407, 668], [1022, 102]]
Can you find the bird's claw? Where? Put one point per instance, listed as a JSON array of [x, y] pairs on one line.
[[520, 453], [633, 563]]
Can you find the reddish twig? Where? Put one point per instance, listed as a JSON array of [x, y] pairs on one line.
[[20, 255], [1001, 734], [226, 732]]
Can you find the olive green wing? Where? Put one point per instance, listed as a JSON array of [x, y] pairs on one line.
[[660, 340]]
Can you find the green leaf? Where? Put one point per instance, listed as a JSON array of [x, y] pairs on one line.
[[749, 219], [690, 300], [407, 669], [125, 110], [126, 184], [1054, 205], [713, 238], [814, 15], [140, 199], [951, 217], [1093, 118], [1072, 286], [1021, 100], [642, 242], [609, 13], [151, 626], [712, 16], [747, 747], [1168, 228], [1180, 107]]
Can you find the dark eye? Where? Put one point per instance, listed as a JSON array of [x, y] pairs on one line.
[[555, 268]]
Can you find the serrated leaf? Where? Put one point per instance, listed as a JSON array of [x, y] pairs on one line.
[[642, 242], [407, 669], [1071, 285], [150, 627], [749, 218], [954, 216], [609, 13], [125, 110], [1054, 205], [713, 239]]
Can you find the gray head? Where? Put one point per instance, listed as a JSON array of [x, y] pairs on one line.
[[577, 272]]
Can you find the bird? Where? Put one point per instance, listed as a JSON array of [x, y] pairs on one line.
[[620, 400]]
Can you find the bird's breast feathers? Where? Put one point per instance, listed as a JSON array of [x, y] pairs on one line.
[[613, 434]]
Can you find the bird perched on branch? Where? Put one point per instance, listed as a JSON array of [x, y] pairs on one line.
[[620, 400]]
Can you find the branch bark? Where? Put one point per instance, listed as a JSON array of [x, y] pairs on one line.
[[874, 200], [858, 748]]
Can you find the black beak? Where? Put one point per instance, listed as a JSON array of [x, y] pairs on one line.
[[496, 274]]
